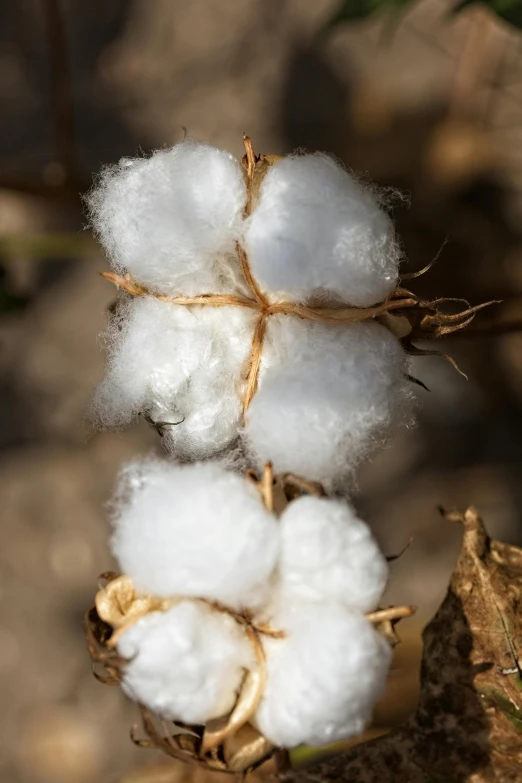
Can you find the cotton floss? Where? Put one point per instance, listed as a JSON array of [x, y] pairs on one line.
[[263, 313]]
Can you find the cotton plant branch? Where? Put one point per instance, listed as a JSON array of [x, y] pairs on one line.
[[232, 332], [468, 723]]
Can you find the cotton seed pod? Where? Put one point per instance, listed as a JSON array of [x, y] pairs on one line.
[[243, 600], [239, 253], [323, 678], [172, 219], [316, 231], [194, 530], [327, 396], [178, 366], [328, 554], [186, 663]]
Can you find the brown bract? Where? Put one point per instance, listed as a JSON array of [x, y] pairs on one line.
[[468, 724], [403, 313]]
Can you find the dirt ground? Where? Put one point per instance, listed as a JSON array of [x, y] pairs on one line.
[[433, 108]]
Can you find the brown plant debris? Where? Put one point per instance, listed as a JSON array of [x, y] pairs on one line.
[[468, 723]]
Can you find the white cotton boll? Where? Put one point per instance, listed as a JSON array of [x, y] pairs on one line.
[[178, 365], [316, 231], [172, 219], [323, 678], [194, 530], [327, 395], [185, 664], [328, 554]]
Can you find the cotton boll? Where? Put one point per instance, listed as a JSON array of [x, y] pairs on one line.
[[327, 395], [172, 219], [328, 554], [185, 664], [316, 231], [178, 365], [323, 678], [194, 530]]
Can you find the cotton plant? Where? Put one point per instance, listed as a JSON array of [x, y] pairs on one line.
[[228, 608], [262, 313], [262, 304], [252, 307]]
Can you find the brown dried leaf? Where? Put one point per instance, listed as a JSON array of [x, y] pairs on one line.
[[468, 723]]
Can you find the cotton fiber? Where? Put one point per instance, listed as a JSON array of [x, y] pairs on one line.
[[194, 530], [323, 679], [315, 230], [299, 584], [327, 396], [185, 664], [179, 367], [328, 554], [172, 219]]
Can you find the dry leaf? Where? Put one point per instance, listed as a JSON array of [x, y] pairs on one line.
[[468, 723]]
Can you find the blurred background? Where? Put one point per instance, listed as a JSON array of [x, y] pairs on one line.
[[423, 102]]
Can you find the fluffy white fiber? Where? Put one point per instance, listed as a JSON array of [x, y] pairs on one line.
[[171, 220], [324, 678], [178, 365], [201, 531], [315, 230], [327, 394], [328, 554], [185, 664], [194, 530]]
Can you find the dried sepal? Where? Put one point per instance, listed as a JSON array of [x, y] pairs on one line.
[[385, 620], [247, 702], [251, 755], [120, 606], [97, 636], [417, 319], [277, 491], [185, 744]]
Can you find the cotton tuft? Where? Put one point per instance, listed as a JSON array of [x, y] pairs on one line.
[[194, 530], [172, 219], [327, 396], [240, 589], [185, 664], [316, 231], [180, 368], [328, 554], [201, 532], [323, 679]]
